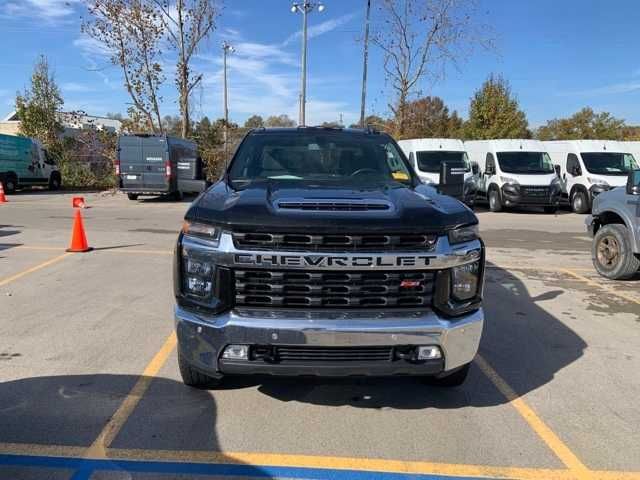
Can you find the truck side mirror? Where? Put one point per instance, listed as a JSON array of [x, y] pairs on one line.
[[557, 169], [474, 168], [633, 182]]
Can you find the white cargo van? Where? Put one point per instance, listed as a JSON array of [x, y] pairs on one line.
[[515, 172], [590, 167], [427, 155]]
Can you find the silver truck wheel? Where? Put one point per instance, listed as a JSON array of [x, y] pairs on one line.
[[612, 254]]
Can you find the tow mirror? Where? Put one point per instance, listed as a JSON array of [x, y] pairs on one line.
[[474, 168], [557, 169], [633, 182]]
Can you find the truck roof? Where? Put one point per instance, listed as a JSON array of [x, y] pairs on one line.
[[328, 130]]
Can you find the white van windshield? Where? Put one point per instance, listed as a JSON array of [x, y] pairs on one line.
[[527, 163], [608, 163], [430, 162]]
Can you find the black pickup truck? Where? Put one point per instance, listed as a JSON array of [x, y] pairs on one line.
[[319, 252]]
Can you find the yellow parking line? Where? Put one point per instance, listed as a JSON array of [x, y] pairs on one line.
[[344, 463], [32, 269], [100, 250], [111, 429], [547, 435], [313, 461], [593, 283]]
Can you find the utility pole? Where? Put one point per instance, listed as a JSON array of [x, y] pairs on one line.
[[364, 67], [305, 8], [226, 49]]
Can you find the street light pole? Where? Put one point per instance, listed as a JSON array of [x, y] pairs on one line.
[[364, 68], [226, 49], [305, 8]]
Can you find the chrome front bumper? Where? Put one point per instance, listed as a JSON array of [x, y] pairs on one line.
[[203, 338]]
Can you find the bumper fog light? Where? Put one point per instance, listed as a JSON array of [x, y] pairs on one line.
[[429, 353], [236, 352]]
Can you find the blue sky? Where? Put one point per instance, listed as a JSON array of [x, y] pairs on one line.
[[559, 56]]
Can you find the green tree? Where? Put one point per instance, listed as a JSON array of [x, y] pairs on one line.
[[279, 121], [429, 117], [376, 122], [39, 106], [495, 113], [585, 124], [254, 121]]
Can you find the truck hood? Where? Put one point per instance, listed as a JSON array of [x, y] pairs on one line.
[[288, 206]]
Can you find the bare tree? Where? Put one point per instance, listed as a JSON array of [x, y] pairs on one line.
[[418, 39], [188, 23], [130, 30]]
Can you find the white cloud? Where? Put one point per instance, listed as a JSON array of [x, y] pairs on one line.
[[47, 9], [322, 28], [76, 87], [613, 89]]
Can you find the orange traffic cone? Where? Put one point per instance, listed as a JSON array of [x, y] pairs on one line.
[[3, 198], [78, 237]]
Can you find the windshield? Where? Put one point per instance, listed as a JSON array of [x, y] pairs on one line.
[[319, 156], [430, 161], [525, 162], [607, 163]]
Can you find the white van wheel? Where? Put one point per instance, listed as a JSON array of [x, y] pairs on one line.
[[579, 202], [495, 203]]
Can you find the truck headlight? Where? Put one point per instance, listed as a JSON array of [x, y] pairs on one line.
[[198, 276], [209, 233], [464, 234], [465, 281]]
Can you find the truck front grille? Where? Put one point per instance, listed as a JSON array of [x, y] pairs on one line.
[[319, 289], [333, 242], [284, 354]]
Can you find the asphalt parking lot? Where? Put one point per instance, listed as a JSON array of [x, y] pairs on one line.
[[90, 389]]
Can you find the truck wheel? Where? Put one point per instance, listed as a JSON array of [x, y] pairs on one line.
[[194, 378], [454, 379], [132, 196], [54, 181], [550, 209], [10, 183], [612, 253], [579, 202], [495, 203]]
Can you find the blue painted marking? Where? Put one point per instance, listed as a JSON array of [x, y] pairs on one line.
[[85, 467]]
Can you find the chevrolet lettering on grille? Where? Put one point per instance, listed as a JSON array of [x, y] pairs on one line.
[[332, 261]]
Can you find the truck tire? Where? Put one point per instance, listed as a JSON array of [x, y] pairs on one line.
[[55, 181], [132, 196], [612, 254], [495, 202], [194, 378], [454, 379], [580, 202], [10, 183]]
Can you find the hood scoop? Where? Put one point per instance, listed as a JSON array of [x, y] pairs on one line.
[[334, 205]]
